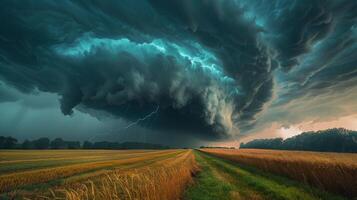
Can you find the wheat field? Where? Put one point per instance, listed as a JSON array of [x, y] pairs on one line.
[[334, 172], [95, 174]]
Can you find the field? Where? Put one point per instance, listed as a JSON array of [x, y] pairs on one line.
[[206, 174], [333, 172], [95, 174]]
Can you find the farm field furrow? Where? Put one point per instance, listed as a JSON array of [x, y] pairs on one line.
[[206, 174], [36, 155], [77, 158], [40, 179]]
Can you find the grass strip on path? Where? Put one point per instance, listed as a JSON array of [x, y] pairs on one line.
[[221, 179], [207, 185]]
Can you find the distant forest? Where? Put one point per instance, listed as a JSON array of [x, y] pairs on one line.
[[59, 143], [330, 140]]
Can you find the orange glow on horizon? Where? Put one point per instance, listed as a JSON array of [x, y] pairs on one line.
[[277, 130]]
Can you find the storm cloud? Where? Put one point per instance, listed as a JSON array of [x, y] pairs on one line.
[[204, 67]]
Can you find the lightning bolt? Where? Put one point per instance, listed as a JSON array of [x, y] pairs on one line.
[[143, 119]]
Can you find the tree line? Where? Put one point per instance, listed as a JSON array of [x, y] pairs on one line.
[[330, 140], [214, 147], [58, 143]]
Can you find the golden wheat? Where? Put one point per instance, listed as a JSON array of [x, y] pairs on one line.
[[131, 175], [166, 179], [13, 180], [334, 172]]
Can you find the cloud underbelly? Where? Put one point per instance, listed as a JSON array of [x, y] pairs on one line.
[[128, 78], [207, 67]]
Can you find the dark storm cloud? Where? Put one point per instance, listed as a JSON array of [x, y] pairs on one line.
[[7, 95], [205, 67], [321, 81], [328, 66]]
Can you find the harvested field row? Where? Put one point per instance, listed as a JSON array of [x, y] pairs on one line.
[[17, 179], [9, 156], [166, 179], [33, 162]]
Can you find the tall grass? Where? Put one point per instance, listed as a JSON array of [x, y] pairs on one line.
[[164, 181], [17, 179], [336, 173]]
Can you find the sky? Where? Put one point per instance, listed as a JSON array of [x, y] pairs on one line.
[[178, 72]]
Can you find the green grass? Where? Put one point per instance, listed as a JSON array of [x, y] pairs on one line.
[[207, 186], [246, 183]]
